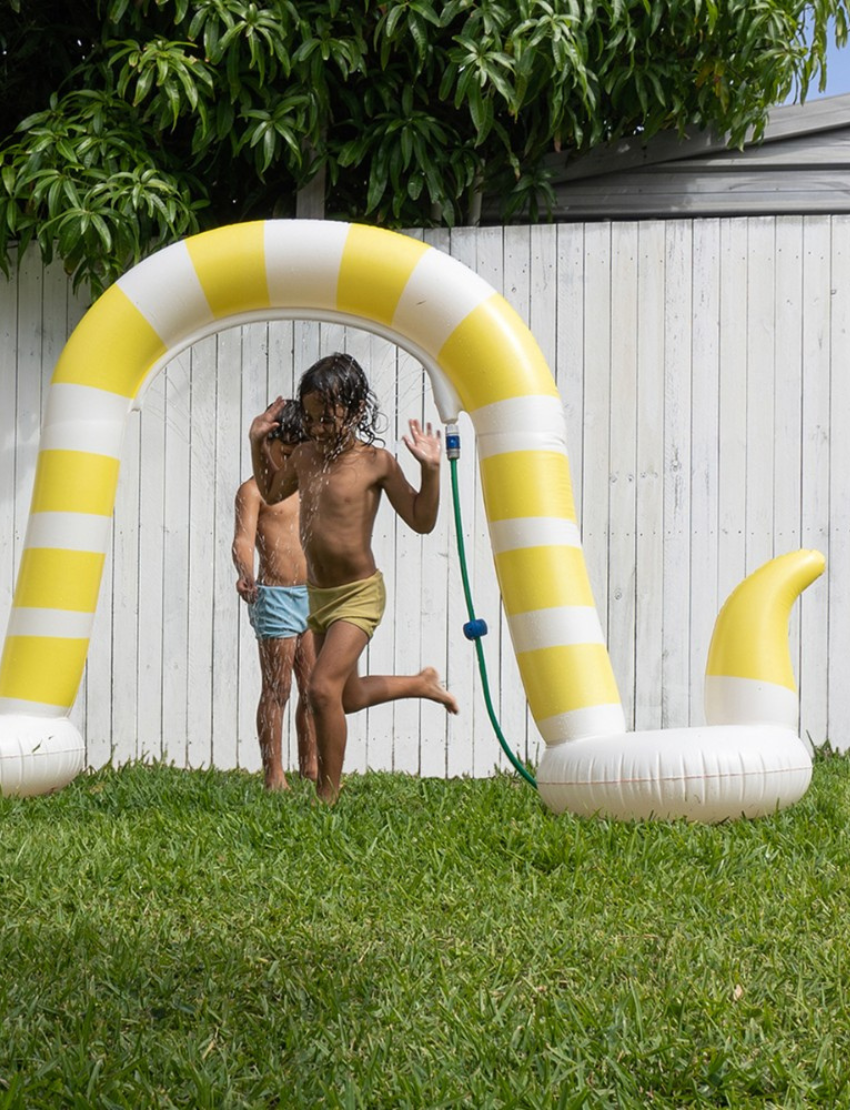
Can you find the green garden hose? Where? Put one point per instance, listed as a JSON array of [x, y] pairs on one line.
[[475, 628]]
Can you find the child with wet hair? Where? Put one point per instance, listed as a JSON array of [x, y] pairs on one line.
[[341, 474], [277, 604]]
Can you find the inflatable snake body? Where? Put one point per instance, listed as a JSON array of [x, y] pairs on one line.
[[482, 358]]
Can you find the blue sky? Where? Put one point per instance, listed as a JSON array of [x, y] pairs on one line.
[[837, 70]]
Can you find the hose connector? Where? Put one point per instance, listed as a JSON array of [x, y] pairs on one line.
[[475, 629], [452, 441]]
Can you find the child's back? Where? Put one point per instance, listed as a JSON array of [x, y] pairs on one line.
[[275, 531]]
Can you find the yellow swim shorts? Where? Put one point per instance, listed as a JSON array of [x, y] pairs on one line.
[[359, 603]]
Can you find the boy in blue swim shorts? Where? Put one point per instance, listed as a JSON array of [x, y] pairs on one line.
[[277, 608]]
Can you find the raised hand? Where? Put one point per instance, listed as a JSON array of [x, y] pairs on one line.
[[268, 421], [424, 445]]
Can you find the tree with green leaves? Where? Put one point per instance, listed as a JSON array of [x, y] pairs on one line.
[[126, 124]]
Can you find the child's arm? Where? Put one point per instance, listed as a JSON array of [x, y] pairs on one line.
[[244, 536], [274, 484], [418, 510]]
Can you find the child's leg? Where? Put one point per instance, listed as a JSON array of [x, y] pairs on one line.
[[368, 690], [337, 653], [276, 658], [336, 689], [305, 728]]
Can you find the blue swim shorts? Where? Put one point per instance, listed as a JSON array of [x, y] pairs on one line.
[[280, 612]]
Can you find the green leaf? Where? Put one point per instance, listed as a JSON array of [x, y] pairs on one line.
[[377, 185], [393, 18], [100, 226]]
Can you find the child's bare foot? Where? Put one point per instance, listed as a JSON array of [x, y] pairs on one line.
[[326, 794], [276, 785], [434, 690]]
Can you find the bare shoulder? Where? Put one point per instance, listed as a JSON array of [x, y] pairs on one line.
[[379, 459], [305, 459], [248, 491], [386, 466]]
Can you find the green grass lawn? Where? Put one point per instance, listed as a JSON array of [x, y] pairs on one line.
[[181, 939]]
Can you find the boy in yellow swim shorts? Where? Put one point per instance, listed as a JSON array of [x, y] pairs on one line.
[[340, 475]]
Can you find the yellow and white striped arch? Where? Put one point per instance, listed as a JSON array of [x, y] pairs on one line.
[[481, 358]]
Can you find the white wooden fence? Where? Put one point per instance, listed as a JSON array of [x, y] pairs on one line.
[[703, 369]]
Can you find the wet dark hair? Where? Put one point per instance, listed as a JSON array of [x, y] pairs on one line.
[[340, 380], [291, 430]]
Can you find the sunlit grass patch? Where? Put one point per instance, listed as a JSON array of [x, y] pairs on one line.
[[177, 938]]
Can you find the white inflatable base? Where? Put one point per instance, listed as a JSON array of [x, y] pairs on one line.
[[711, 774], [38, 754]]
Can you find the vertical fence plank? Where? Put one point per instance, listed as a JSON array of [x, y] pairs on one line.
[[236, 674], [175, 562], [788, 401], [568, 365], [649, 447], [597, 408], [675, 670], [838, 647], [704, 453], [124, 694], [761, 391], [732, 453], [814, 607], [152, 480], [201, 520], [622, 505]]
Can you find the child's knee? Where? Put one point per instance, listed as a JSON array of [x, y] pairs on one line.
[[319, 694], [323, 694], [278, 690]]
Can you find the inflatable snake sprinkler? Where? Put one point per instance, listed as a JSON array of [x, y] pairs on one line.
[[481, 359], [620, 771]]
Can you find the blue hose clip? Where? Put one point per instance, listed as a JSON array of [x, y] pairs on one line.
[[475, 629]]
